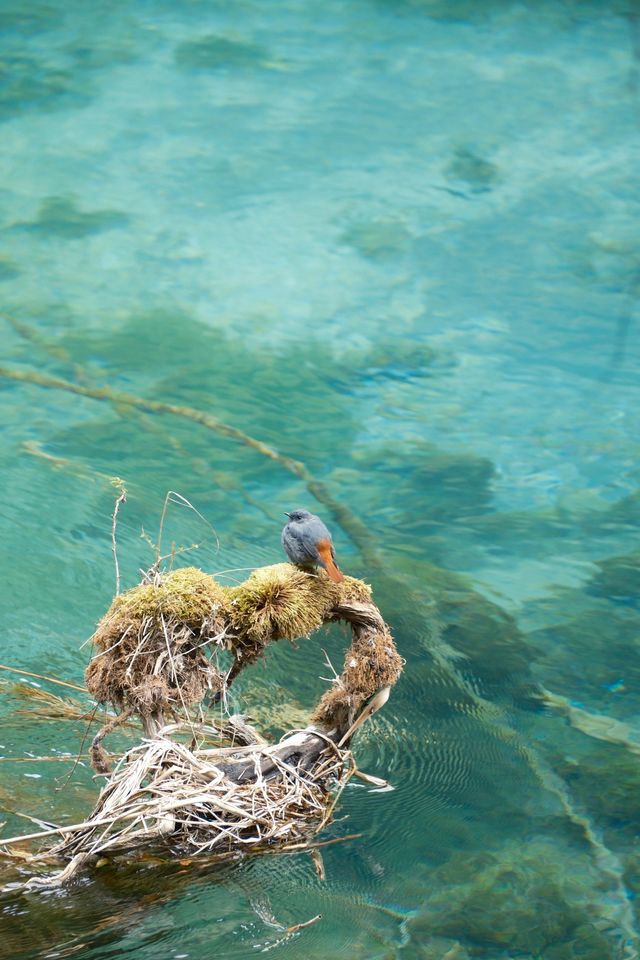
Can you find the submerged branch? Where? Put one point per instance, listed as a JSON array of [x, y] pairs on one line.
[[352, 526]]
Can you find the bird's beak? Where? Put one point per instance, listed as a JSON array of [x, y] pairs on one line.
[[287, 514]]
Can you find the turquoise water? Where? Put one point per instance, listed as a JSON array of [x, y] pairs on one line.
[[397, 241]]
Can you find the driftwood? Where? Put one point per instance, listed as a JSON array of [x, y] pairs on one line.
[[157, 657]]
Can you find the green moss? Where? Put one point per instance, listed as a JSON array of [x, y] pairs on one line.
[[150, 656], [280, 602], [60, 217], [215, 52], [186, 596]]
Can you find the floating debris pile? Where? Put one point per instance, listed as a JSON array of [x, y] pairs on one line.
[[157, 658]]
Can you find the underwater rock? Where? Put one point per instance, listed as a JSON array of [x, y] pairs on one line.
[[487, 635], [378, 239], [427, 484], [618, 580], [399, 359], [60, 217], [529, 898], [8, 269], [214, 52], [28, 84], [475, 173]]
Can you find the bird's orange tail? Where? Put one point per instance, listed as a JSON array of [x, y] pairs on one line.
[[327, 561]]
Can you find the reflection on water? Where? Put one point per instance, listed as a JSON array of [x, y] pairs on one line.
[[396, 240]]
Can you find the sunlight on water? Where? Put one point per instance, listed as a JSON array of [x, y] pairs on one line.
[[396, 240]]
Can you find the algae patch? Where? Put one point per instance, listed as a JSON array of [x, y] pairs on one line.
[[28, 84], [215, 52], [618, 579], [8, 270], [378, 239], [61, 217], [473, 171]]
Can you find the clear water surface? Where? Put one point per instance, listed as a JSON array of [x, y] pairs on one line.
[[396, 240]]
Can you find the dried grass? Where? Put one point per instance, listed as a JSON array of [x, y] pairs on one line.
[[162, 793], [47, 706]]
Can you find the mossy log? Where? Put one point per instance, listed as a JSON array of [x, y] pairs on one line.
[[155, 646]]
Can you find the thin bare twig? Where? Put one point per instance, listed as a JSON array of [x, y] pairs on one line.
[[119, 484], [40, 676], [301, 926], [174, 497]]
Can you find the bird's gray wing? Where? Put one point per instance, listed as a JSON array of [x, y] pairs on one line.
[[313, 531]]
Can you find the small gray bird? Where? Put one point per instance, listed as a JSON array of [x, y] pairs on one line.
[[306, 540]]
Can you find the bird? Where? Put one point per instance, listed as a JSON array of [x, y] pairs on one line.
[[307, 541]]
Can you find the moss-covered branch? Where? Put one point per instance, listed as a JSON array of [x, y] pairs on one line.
[[152, 643]]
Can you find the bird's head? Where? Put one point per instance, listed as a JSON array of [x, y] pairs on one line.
[[298, 514]]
